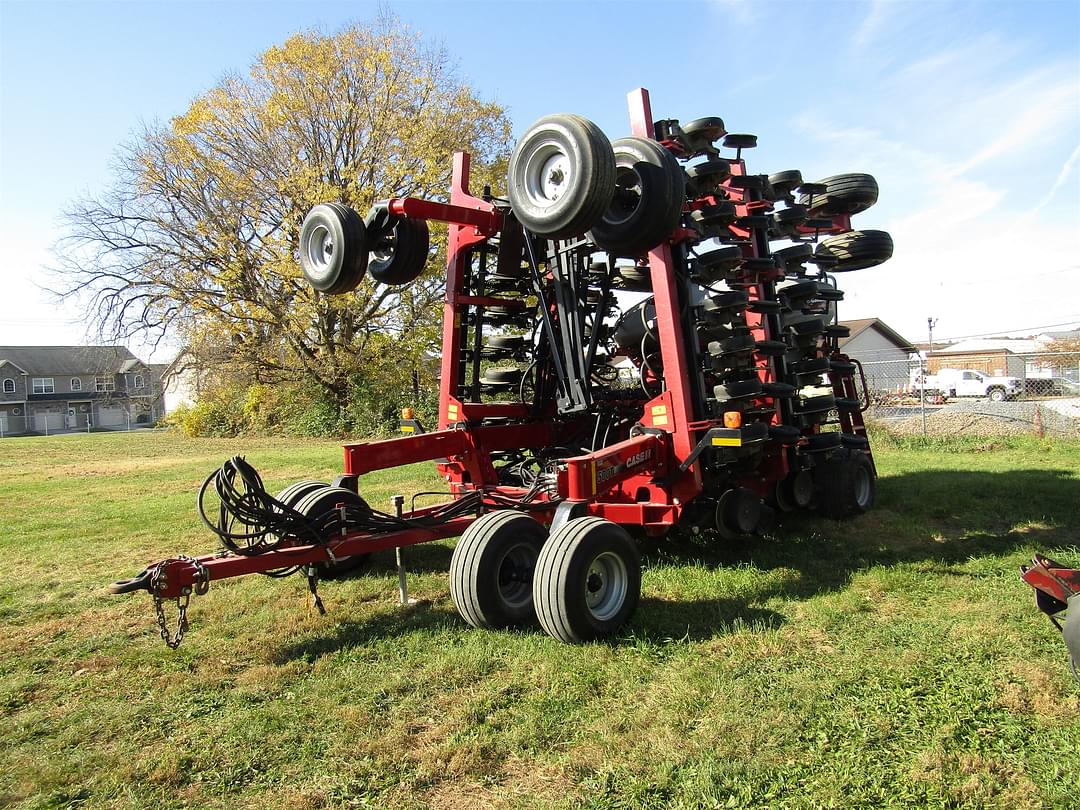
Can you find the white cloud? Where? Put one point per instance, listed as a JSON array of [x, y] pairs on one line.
[[1059, 181], [742, 11], [873, 23]]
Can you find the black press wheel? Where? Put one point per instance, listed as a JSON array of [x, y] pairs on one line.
[[650, 188], [857, 250], [562, 176], [333, 248], [587, 581], [844, 194], [399, 250], [491, 570], [846, 485]]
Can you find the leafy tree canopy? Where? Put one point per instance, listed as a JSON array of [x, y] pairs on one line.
[[198, 235]]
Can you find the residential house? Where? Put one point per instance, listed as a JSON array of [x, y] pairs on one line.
[[885, 355], [55, 389]]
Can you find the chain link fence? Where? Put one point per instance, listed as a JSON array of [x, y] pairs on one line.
[[979, 394], [15, 420]]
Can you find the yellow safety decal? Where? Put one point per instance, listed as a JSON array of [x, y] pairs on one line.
[[659, 420], [408, 429], [720, 441], [659, 410], [452, 412], [593, 490]]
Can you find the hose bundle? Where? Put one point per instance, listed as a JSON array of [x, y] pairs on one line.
[[250, 521]]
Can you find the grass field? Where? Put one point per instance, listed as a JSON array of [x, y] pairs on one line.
[[895, 660]]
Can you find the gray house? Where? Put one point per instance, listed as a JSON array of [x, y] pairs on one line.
[[884, 353], [57, 389]]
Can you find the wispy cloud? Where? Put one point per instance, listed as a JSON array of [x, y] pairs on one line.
[[742, 11], [1059, 181], [874, 22]]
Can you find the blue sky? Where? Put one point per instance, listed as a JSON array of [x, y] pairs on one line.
[[967, 113]]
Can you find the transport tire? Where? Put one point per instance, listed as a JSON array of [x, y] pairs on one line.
[[333, 248], [491, 570], [846, 485], [844, 194], [857, 250], [561, 176], [400, 251], [587, 581], [317, 502], [650, 189], [294, 493], [996, 394]]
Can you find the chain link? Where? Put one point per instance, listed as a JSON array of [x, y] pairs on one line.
[[158, 584]]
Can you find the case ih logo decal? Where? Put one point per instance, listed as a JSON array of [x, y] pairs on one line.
[[606, 473]]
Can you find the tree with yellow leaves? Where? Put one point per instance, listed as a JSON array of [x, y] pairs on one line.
[[198, 237]]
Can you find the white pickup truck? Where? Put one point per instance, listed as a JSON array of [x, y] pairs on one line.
[[966, 382]]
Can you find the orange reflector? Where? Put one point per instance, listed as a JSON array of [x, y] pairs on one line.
[[732, 419], [406, 413]]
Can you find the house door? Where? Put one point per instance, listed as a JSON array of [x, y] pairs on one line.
[[72, 418], [3, 422]]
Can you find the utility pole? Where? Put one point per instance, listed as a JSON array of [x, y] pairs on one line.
[[930, 324]]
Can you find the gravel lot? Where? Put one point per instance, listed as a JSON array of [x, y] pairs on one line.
[[981, 417]]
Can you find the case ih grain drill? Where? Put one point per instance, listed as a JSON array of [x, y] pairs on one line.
[[624, 353]]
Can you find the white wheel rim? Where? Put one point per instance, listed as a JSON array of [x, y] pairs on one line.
[[548, 174], [862, 486], [320, 249], [606, 585], [515, 571]]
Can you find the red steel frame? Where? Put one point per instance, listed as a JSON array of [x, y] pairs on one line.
[[619, 482]]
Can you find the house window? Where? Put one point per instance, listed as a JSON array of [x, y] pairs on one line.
[[104, 384], [9, 386], [138, 381], [43, 385], [76, 384]]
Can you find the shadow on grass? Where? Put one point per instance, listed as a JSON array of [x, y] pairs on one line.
[[947, 517], [930, 516], [403, 620], [699, 619]]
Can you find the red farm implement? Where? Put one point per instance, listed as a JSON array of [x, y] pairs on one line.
[[641, 337]]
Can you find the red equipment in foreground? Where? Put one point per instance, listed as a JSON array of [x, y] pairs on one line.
[[624, 353], [1057, 591]]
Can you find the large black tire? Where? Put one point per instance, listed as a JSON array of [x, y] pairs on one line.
[[650, 189], [844, 194], [587, 581], [294, 493], [857, 250], [491, 570], [561, 177], [318, 502], [846, 485], [399, 251], [333, 248]]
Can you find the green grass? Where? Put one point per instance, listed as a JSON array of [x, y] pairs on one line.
[[895, 660]]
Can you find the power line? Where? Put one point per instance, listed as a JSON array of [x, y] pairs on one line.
[[1003, 332]]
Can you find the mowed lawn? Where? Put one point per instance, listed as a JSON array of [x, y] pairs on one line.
[[895, 660]]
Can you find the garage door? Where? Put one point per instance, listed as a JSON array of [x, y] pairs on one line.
[[111, 417]]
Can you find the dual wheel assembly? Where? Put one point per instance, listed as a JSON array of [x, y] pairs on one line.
[[581, 582], [338, 248]]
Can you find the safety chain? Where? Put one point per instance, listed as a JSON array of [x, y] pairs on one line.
[[158, 584]]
